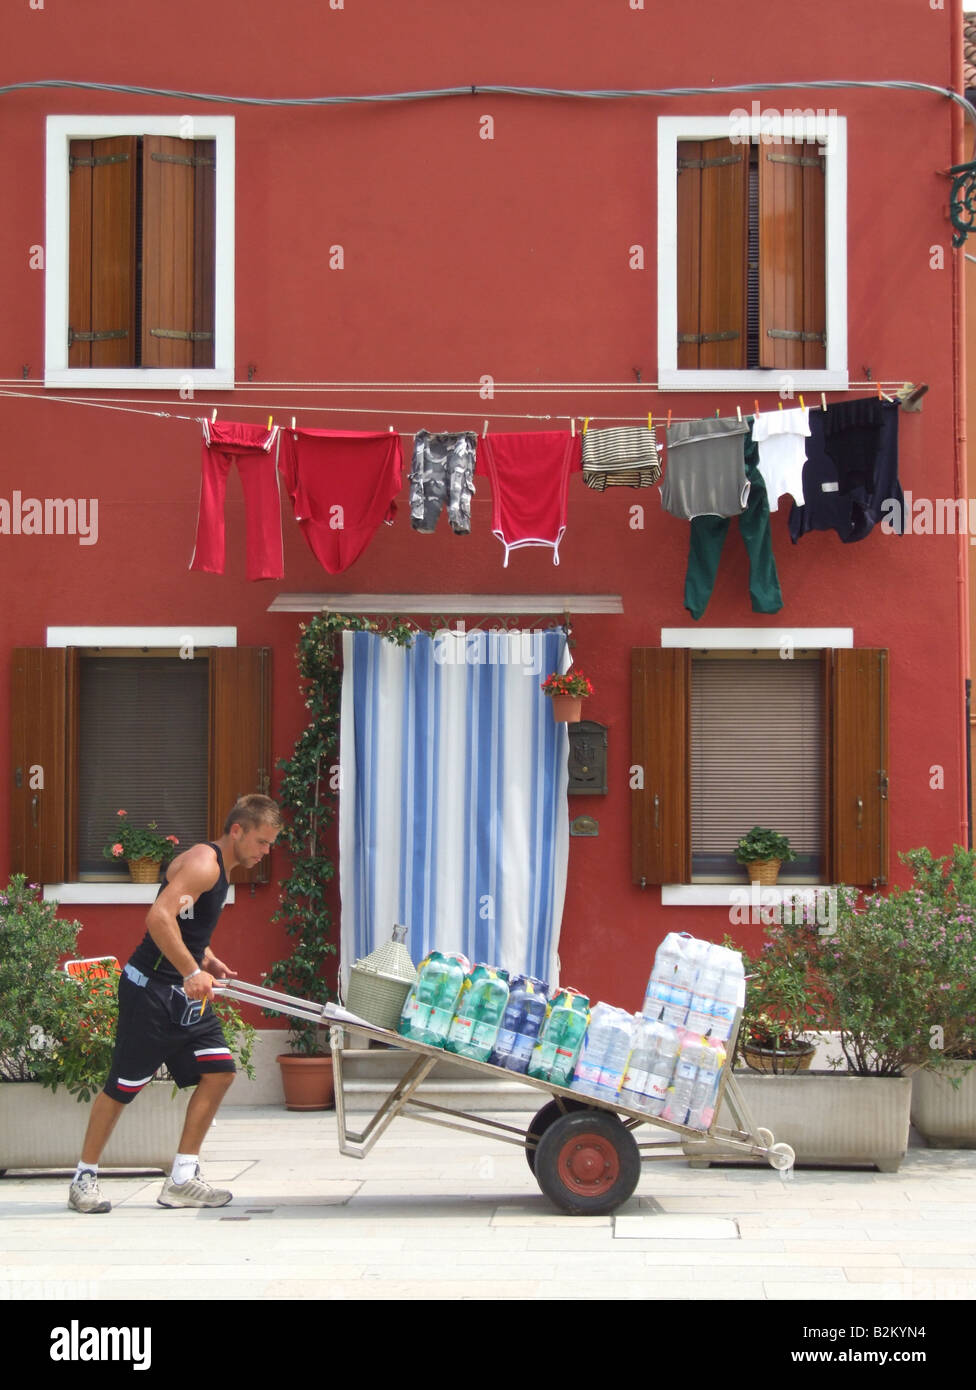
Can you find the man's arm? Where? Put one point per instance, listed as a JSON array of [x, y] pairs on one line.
[[197, 873]]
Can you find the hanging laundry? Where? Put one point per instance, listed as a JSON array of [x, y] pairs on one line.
[[442, 472], [529, 484], [781, 436], [708, 535], [624, 457], [852, 514], [342, 484], [852, 438], [254, 450], [706, 473]]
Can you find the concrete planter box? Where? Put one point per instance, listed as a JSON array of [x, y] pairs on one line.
[[945, 1115], [830, 1118], [44, 1129]]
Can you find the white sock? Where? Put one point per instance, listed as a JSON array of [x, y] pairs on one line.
[[84, 1167], [184, 1168]]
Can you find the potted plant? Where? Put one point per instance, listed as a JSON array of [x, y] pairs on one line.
[[145, 850], [781, 1001], [56, 1040], [567, 693], [762, 852]]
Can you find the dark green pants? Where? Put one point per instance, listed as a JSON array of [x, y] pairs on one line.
[[708, 537]]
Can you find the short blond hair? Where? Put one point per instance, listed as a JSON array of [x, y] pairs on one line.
[[253, 810]]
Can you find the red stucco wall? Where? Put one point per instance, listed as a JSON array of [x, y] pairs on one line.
[[508, 257]]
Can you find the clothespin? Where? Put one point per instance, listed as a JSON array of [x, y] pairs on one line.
[[572, 425], [213, 418], [756, 404], [669, 419], [716, 412], [802, 404], [823, 400], [650, 420], [392, 430], [879, 391], [293, 422], [586, 424], [781, 405], [270, 421], [484, 432], [738, 412]]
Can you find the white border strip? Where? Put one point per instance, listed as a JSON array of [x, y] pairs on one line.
[[142, 636], [750, 638], [109, 893]]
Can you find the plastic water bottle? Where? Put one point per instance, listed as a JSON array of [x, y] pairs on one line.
[[654, 1047], [479, 1013], [524, 1016], [554, 1054], [685, 1072], [730, 995], [701, 1014], [586, 1075], [662, 977], [429, 1007], [701, 1107], [616, 1055]]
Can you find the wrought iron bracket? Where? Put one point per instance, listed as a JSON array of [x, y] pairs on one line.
[[962, 201]]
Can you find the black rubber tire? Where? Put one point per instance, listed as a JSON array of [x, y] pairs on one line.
[[587, 1164], [552, 1111]]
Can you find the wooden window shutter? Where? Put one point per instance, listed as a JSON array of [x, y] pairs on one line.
[[42, 692], [240, 735], [101, 252], [660, 842], [792, 256], [713, 206], [859, 767], [174, 308]]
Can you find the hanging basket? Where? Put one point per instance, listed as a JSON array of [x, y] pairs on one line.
[[764, 871], [566, 709], [144, 870]]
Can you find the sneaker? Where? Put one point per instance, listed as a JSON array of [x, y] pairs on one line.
[[195, 1192], [84, 1194]]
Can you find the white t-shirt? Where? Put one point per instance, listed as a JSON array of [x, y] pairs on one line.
[[780, 435]]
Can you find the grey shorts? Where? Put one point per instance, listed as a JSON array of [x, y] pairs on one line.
[[442, 472]]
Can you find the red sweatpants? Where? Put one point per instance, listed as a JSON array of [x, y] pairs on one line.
[[255, 451]]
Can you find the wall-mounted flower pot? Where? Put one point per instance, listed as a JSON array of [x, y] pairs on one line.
[[566, 709]]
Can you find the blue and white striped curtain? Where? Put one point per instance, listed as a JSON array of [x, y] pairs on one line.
[[453, 814]]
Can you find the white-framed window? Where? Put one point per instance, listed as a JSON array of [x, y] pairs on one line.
[[139, 252], [752, 252]]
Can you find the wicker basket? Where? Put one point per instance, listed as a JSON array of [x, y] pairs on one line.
[[144, 870], [379, 984], [764, 871]]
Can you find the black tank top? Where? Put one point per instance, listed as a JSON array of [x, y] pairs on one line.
[[196, 928]]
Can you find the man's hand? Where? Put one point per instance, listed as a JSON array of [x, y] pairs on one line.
[[200, 986], [217, 968]]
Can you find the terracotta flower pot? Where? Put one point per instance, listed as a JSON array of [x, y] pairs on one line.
[[566, 709], [308, 1082]]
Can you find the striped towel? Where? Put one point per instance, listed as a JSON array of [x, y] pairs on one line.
[[625, 457]]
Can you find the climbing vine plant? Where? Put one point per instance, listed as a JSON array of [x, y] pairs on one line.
[[308, 798]]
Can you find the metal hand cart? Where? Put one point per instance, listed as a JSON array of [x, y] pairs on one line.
[[582, 1151]]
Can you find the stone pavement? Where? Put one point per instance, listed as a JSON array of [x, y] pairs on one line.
[[436, 1214]]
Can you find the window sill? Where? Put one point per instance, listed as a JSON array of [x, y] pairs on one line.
[[779, 379], [739, 895], [108, 893], [132, 378]]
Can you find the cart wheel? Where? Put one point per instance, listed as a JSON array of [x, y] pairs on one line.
[[781, 1156], [765, 1137], [587, 1163], [541, 1121]]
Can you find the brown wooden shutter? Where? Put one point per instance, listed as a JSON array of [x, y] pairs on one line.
[[859, 767], [792, 256], [660, 841], [204, 251], [713, 202], [42, 704], [174, 316], [240, 735], [101, 252]]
